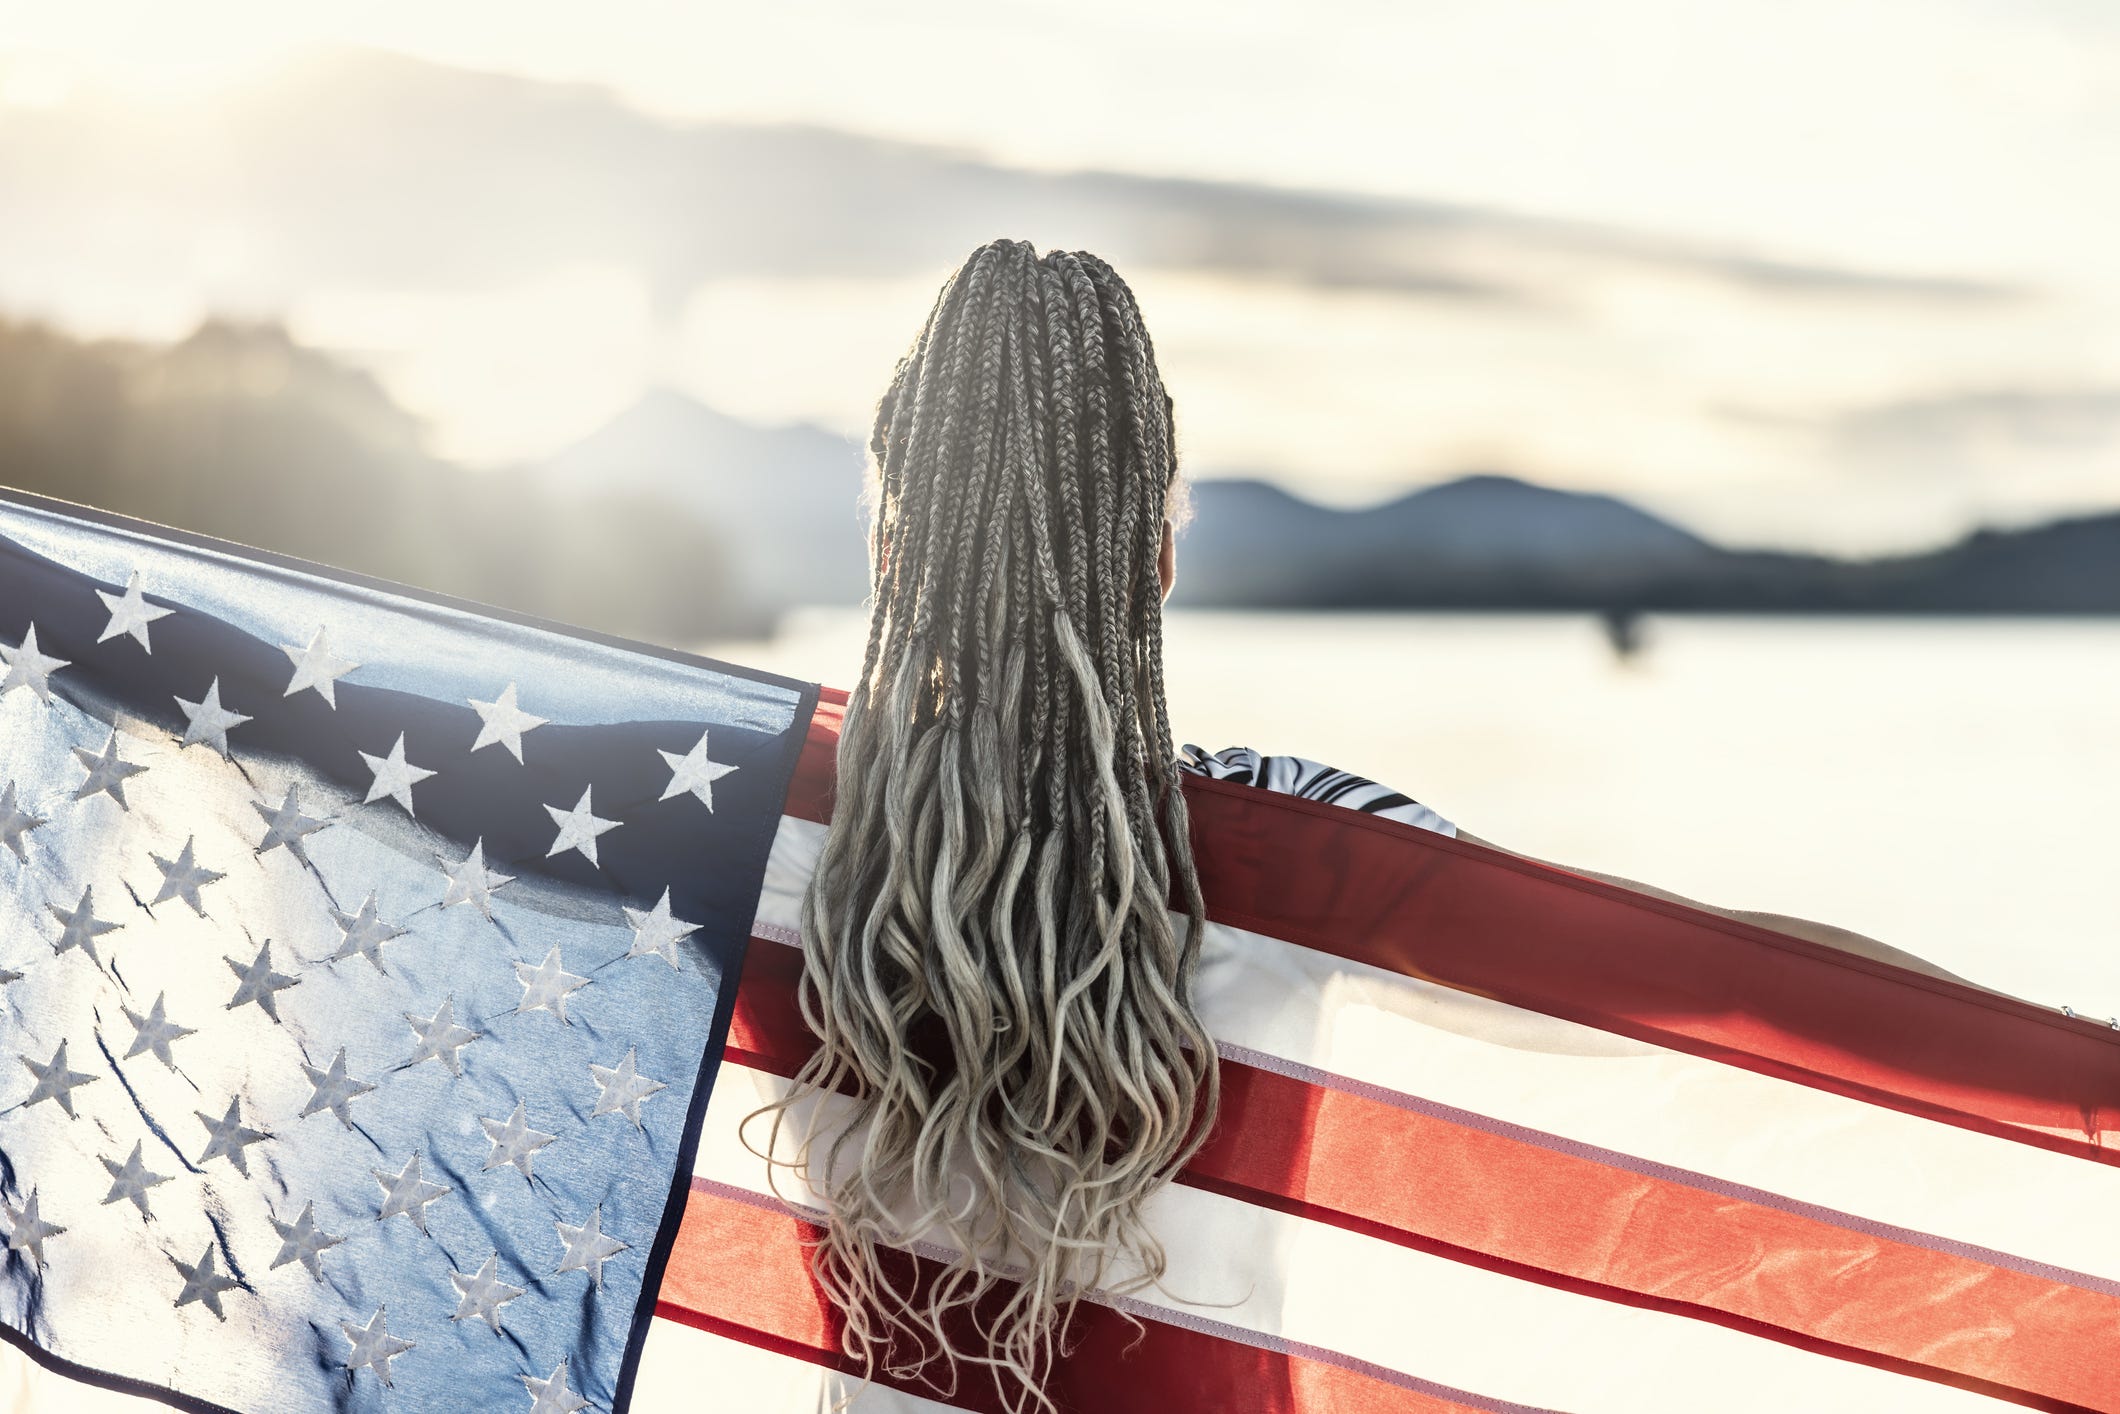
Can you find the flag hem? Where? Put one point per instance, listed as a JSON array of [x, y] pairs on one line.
[[710, 1062], [105, 1379], [200, 541]]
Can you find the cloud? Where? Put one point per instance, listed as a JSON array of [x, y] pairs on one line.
[[516, 259], [369, 170], [1908, 472], [2028, 420], [1770, 276]]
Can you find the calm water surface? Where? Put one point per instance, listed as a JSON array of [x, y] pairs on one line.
[[1948, 786]]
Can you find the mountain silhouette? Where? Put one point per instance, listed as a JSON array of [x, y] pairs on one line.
[[789, 495], [2070, 565], [1252, 543], [677, 523], [786, 501]]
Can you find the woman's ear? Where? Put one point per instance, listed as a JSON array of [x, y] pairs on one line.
[[1167, 558]]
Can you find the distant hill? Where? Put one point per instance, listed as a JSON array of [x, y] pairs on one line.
[[1482, 537], [786, 500], [239, 431], [2063, 566], [787, 495], [1495, 542], [794, 492], [677, 523]]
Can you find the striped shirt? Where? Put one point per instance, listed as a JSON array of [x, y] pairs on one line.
[[1298, 775]]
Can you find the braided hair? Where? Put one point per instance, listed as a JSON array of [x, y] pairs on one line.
[[993, 970]]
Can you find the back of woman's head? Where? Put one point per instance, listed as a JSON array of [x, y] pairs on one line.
[[992, 967]]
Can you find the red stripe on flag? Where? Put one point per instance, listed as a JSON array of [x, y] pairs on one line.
[[810, 790], [1422, 904], [1549, 1211], [741, 1270], [1568, 1221]]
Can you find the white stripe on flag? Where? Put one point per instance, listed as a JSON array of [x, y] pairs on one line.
[[1375, 1027], [1426, 1316], [684, 1368]]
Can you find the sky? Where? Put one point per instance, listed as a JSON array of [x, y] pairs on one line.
[[1964, 149]]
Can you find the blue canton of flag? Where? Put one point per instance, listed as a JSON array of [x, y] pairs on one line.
[[364, 961]]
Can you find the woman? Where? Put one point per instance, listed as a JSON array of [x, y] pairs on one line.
[[991, 968]]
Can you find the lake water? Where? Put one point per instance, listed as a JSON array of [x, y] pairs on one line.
[[1951, 787]]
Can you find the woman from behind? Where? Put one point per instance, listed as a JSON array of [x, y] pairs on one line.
[[992, 968]]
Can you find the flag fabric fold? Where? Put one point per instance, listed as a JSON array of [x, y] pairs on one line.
[[364, 958]]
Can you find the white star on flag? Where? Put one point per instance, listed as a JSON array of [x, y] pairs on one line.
[[26, 667], [470, 881], [257, 982], [587, 1247], [547, 985], [208, 721], [229, 1135], [335, 1089], [17, 820], [363, 933], [303, 1241], [655, 932], [286, 825], [26, 1231], [79, 928], [154, 1032], [406, 1192], [203, 1283], [131, 1180], [551, 1395], [315, 667], [439, 1037], [624, 1087], [578, 828], [502, 721], [373, 1346], [55, 1080], [106, 773], [129, 613], [183, 877], [394, 776], [694, 773], [514, 1141], [484, 1293]]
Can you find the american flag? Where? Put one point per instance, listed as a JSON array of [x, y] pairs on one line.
[[1500, 1137], [1495, 1136], [364, 961]]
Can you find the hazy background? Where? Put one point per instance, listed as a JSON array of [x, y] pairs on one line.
[[1793, 327]]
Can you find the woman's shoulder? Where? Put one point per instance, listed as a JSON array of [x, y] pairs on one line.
[[1312, 780]]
